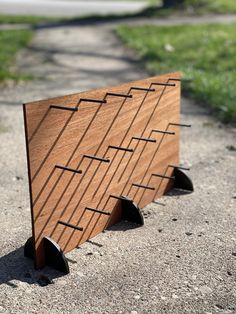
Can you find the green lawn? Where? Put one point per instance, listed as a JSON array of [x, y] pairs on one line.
[[11, 41], [205, 54], [219, 6]]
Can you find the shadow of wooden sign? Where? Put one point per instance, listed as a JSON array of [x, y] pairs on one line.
[[97, 157]]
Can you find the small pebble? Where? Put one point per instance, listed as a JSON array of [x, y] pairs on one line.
[[178, 256], [17, 178], [71, 261], [229, 273], [137, 297], [188, 233], [174, 219], [232, 308], [159, 230], [80, 274], [220, 306], [205, 289], [234, 253], [231, 148], [174, 296]]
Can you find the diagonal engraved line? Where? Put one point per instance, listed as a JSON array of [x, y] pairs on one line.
[[159, 185], [81, 178], [158, 146], [39, 125], [99, 165], [145, 143], [147, 90], [69, 160], [170, 123], [114, 174], [124, 137], [61, 132], [108, 219], [52, 147], [151, 163], [61, 174], [117, 168], [159, 99], [127, 164], [104, 137], [94, 225], [43, 187], [76, 168]]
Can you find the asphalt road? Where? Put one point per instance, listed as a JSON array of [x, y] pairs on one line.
[[68, 8]]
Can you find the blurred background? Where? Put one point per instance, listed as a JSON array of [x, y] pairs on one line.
[[194, 37]]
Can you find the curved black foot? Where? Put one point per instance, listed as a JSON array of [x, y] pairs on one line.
[[182, 181], [29, 248], [130, 211], [54, 257]]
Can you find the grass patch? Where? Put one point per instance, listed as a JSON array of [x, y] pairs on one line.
[[205, 54], [194, 7], [11, 41], [217, 6]]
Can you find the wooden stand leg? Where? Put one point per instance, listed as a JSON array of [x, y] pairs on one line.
[[54, 257]]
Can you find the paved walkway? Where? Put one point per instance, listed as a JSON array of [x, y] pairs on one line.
[[182, 261], [172, 20]]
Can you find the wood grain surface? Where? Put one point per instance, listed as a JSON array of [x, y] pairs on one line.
[[84, 137]]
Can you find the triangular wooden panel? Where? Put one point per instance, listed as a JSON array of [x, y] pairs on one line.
[[84, 148]]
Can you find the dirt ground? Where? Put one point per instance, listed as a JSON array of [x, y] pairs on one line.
[[183, 260]]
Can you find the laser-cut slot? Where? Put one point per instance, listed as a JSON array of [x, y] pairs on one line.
[[119, 95], [121, 148], [68, 169], [100, 101], [181, 125], [144, 89], [165, 84], [164, 132], [97, 158], [69, 225], [162, 176], [179, 167], [98, 211], [144, 139], [143, 186], [64, 108]]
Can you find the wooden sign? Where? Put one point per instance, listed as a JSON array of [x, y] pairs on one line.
[[94, 155]]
